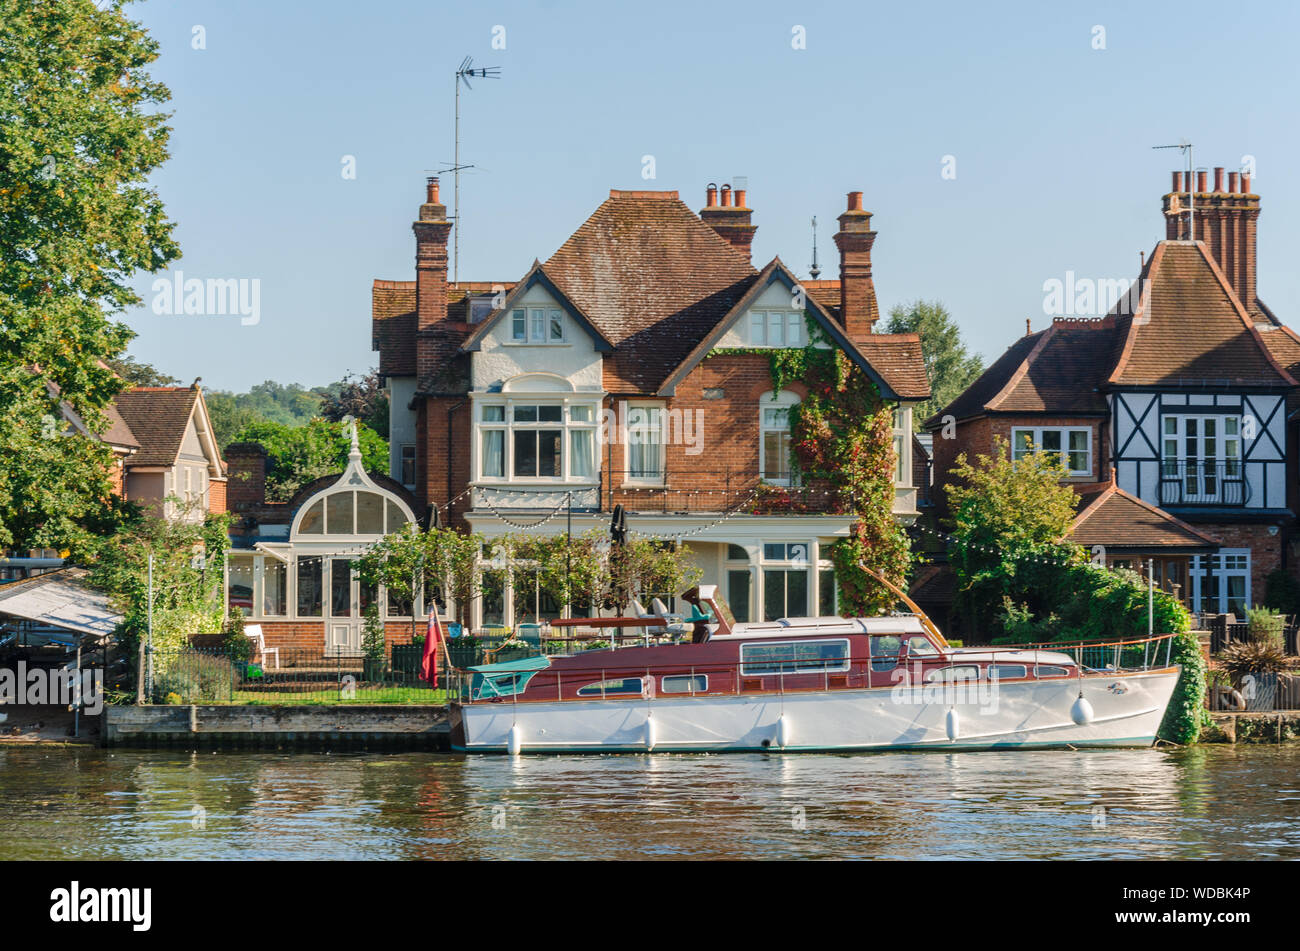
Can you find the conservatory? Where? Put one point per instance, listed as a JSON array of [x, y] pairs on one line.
[[296, 579]]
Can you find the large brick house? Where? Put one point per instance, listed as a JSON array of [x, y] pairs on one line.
[[632, 368], [1170, 412]]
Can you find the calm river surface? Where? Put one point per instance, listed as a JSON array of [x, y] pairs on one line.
[[1215, 802]]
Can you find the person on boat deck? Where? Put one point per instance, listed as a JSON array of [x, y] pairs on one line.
[[701, 617]]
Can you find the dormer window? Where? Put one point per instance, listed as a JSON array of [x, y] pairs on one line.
[[536, 325]]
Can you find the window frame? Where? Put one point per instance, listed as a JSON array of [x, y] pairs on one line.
[[539, 325], [508, 426], [782, 401], [657, 408], [1036, 442]]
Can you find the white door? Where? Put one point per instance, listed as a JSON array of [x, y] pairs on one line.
[[342, 618]]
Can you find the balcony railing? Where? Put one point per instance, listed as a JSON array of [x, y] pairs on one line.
[[691, 490], [1203, 482]]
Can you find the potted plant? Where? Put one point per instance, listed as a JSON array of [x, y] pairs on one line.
[[513, 649], [1254, 667], [596, 646], [372, 646]]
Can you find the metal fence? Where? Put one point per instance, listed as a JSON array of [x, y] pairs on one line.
[[203, 675]]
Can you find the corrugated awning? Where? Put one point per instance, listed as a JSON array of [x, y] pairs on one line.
[[60, 599]]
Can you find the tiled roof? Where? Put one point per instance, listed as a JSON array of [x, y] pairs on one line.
[[1187, 328], [1110, 517], [1190, 329], [118, 432], [653, 278], [897, 358], [392, 308], [157, 416], [1283, 343], [975, 398]]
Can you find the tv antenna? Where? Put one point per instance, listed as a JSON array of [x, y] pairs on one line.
[[814, 270], [464, 73], [1186, 148]]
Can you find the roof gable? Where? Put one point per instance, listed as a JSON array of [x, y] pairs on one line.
[[537, 276], [159, 417], [897, 348], [1189, 328]]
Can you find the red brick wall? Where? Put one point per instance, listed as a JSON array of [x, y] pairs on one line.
[[975, 437], [1265, 550], [442, 443], [726, 431], [217, 495], [310, 635]]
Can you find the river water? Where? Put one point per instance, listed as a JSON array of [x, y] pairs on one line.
[[1212, 802]]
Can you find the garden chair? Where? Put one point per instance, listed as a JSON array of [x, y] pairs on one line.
[[254, 633]]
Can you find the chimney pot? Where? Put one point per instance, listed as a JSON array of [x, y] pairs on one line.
[[1178, 183], [1200, 181], [431, 191], [726, 196], [1245, 183], [1233, 184], [740, 198], [711, 196], [1218, 179], [855, 201]]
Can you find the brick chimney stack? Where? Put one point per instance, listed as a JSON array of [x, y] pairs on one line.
[[1225, 221], [858, 308], [431, 231], [731, 222], [246, 485]]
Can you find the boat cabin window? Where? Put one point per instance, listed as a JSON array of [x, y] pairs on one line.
[[1007, 671], [611, 688], [920, 645], [1042, 671], [794, 657], [884, 651], [485, 686], [685, 683], [953, 674]]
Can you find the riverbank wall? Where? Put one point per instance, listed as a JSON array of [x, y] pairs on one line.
[[355, 727], [341, 727]]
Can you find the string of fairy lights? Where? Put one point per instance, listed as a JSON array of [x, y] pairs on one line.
[[1047, 555]]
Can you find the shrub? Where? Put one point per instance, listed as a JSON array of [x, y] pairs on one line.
[[1265, 626], [196, 677], [1253, 657], [234, 641], [1186, 714]]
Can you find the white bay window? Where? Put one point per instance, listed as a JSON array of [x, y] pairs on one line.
[[1073, 445]]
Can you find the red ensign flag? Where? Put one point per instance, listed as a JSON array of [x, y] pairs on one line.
[[429, 665]]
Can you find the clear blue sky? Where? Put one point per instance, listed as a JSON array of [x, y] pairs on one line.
[[1052, 141]]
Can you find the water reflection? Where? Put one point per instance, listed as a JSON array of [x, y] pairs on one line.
[[1215, 802]]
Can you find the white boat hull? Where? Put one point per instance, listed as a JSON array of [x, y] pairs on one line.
[[1122, 710]]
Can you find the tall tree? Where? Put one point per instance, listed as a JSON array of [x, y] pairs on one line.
[[79, 136], [136, 373], [299, 454], [950, 366], [1008, 516], [361, 397]]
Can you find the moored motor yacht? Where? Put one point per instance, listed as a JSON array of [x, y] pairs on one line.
[[813, 684]]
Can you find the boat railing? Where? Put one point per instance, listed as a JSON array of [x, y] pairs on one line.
[[993, 665]]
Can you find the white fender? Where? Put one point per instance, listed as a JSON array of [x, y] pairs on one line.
[[651, 733], [1081, 711], [515, 742], [783, 731], [953, 724]]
